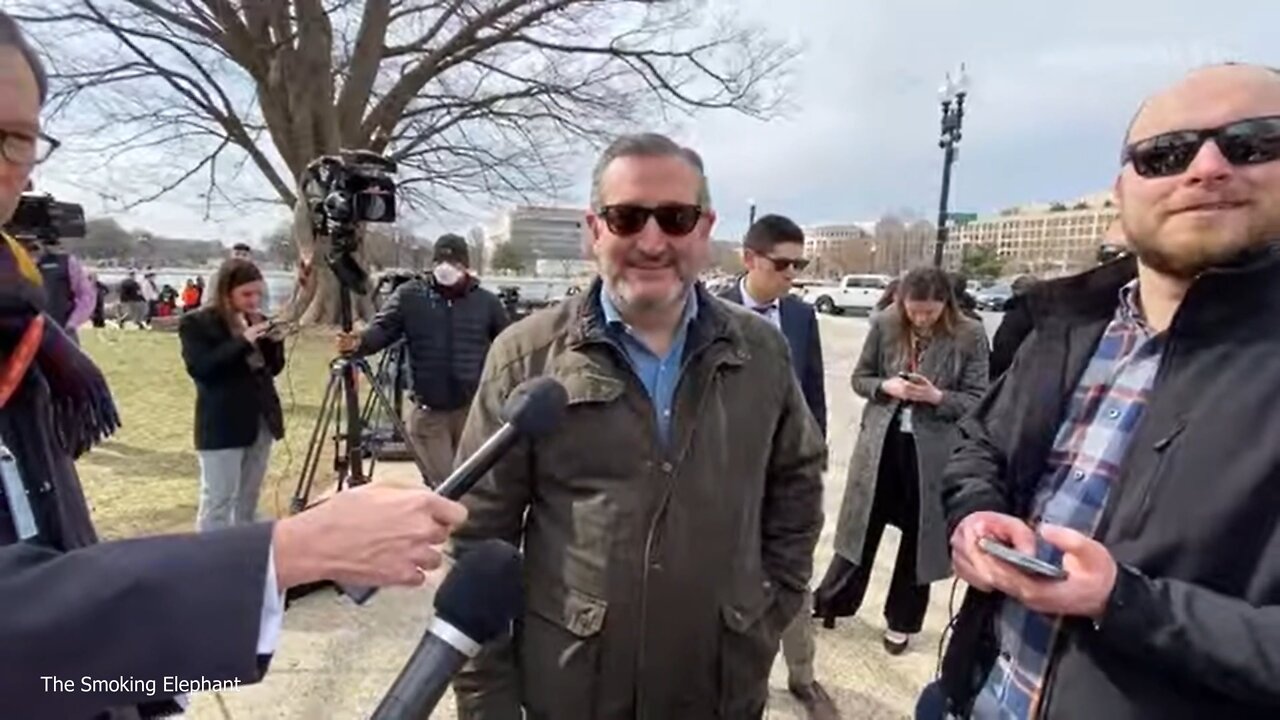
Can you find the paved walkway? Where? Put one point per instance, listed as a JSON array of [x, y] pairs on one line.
[[336, 660]]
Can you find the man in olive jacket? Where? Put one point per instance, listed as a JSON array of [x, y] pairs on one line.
[[669, 524]]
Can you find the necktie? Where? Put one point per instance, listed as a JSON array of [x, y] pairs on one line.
[[763, 309]]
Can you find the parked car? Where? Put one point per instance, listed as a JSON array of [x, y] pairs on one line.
[[993, 297], [854, 292]]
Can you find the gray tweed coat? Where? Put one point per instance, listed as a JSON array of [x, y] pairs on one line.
[[957, 365]]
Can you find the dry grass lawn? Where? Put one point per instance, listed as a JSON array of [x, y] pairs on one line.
[[145, 480]]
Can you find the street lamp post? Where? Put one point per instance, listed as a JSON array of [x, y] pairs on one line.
[[952, 95]]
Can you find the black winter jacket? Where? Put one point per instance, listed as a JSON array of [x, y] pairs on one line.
[[448, 338], [1192, 628], [232, 399]]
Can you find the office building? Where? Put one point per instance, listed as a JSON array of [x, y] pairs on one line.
[[1040, 239], [540, 233]]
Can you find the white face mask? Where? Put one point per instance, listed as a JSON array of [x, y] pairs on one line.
[[447, 274]]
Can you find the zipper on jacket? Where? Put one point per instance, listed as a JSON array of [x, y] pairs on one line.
[[448, 353], [674, 464]]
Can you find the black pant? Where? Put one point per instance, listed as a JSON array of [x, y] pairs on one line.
[[897, 502]]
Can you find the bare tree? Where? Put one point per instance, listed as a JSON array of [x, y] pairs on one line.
[[491, 99]]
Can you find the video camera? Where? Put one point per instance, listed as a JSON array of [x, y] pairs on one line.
[[40, 217], [343, 190], [354, 186]]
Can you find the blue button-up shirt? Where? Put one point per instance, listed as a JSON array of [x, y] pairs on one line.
[[1083, 466], [659, 375]]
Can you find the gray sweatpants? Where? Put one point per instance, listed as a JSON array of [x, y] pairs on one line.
[[230, 482]]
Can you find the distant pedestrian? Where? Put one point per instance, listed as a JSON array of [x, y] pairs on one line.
[[133, 306], [232, 357], [99, 316], [923, 366]]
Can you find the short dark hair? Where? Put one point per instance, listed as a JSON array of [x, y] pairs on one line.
[[11, 36], [242, 247], [770, 231], [648, 145]]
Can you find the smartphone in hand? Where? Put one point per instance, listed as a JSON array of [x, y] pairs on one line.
[[1025, 563]]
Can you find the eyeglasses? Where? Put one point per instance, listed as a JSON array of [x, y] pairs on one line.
[[674, 219], [1245, 142], [23, 149], [784, 264]]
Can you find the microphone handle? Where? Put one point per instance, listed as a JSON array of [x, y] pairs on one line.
[[422, 682], [481, 461], [462, 479]]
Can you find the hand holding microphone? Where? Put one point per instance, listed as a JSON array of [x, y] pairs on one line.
[[534, 409], [370, 535]]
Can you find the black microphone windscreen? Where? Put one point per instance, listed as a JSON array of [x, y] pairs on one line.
[[536, 406], [483, 592]]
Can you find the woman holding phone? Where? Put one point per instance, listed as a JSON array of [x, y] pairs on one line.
[[923, 366], [233, 354]]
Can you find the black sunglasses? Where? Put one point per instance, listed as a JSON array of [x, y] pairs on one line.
[[1244, 142], [674, 219], [783, 264]]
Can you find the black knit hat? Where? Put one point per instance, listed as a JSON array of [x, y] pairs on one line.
[[452, 249]]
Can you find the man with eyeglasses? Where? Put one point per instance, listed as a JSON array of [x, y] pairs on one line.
[[773, 252], [76, 614], [1133, 444], [668, 525]]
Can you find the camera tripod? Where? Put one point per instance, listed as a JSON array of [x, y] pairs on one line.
[[341, 404], [387, 441]]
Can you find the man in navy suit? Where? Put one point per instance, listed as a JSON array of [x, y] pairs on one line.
[[773, 252]]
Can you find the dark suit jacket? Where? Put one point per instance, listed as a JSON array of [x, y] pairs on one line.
[[187, 606], [232, 399], [800, 326]]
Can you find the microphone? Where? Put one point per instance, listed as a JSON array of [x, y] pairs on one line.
[[533, 409], [475, 604]]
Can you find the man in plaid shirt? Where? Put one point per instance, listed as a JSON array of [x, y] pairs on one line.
[[1133, 443], [1082, 466]]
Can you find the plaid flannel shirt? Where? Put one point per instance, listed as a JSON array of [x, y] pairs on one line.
[[1085, 461]]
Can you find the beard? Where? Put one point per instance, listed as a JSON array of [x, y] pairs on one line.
[[648, 300], [1184, 252], [630, 300]]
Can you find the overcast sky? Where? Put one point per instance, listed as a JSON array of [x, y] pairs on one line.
[[1053, 86]]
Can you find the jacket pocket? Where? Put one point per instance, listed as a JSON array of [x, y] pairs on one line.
[[749, 636], [559, 650]]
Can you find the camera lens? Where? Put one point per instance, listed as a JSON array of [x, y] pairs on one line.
[[337, 206]]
